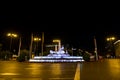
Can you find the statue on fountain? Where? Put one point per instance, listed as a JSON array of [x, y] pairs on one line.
[[58, 53]]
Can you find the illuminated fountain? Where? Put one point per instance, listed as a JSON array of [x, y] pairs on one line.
[[60, 53], [57, 56]]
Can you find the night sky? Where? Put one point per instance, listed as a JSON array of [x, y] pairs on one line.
[[75, 32]]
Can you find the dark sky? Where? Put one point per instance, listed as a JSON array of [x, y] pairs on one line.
[[77, 32]]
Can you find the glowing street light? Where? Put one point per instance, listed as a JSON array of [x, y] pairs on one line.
[[36, 39], [11, 35], [110, 38], [59, 43], [110, 45]]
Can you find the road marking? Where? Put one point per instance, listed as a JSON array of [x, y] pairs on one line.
[[27, 79], [77, 74], [60, 78], [9, 74]]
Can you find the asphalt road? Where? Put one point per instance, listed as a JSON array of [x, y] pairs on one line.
[[12, 70], [108, 69]]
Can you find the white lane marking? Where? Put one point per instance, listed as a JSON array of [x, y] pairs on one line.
[[77, 74]]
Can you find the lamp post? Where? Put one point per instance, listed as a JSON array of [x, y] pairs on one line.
[[36, 39], [42, 43], [110, 45], [11, 35], [59, 43]]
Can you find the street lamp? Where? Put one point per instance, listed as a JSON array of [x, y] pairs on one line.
[[36, 39], [110, 38], [59, 43], [110, 45], [11, 35]]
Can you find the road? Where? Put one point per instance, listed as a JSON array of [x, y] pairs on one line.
[[108, 69], [13, 70]]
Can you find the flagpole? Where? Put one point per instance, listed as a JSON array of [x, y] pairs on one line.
[[95, 43]]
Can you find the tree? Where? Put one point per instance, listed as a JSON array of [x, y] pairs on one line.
[[24, 55]]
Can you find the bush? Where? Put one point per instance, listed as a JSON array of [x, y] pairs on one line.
[[21, 58], [24, 55], [5, 55], [86, 56]]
